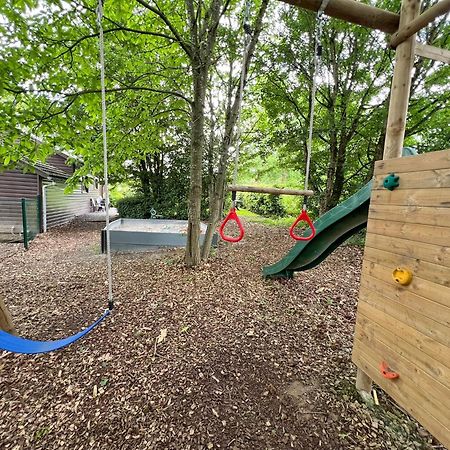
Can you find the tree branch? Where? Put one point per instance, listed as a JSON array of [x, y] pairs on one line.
[[96, 91], [114, 30], [177, 37]]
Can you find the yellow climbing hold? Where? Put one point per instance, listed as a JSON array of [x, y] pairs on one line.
[[402, 276]]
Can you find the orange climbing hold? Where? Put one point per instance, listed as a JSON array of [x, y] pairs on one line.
[[387, 372]]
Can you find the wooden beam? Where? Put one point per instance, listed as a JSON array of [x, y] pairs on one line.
[[401, 85], [404, 32], [6, 323], [267, 190], [430, 52], [364, 385], [354, 12]]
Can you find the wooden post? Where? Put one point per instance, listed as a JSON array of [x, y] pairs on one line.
[[401, 85], [364, 385], [6, 323]]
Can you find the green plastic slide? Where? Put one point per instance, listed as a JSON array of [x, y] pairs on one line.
[[332, 230]]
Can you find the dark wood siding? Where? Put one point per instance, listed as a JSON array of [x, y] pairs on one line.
[[59, 162], [14, 185]]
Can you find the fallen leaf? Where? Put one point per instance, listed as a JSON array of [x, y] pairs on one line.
[[162, 336]]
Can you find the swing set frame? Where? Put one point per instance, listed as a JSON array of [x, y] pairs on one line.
[[403, 28]]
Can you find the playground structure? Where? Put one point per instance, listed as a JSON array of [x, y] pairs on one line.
[[402, 335]]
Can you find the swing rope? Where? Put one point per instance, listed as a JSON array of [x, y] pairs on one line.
[[247, 39], [232, 215], [16, 344], [304, 217], [316, 66], [101, 45]]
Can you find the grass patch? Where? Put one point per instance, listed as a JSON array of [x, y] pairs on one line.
[[358, 239], [281, 222]]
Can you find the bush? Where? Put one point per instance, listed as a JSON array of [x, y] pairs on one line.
[[134, 207], [266, 205]]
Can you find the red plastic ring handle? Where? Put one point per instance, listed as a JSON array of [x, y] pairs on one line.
[[303, 217], [387, 372], [231, 216]]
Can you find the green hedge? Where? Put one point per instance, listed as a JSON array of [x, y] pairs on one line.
[[265, 205], [135, 207]]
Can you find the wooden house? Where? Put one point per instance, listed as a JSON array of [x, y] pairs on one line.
[[43, 183]]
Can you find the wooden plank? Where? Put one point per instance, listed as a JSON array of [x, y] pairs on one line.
[[407, 315], [438, 198], [425, 179], [402, 358], [6, 323], [428, 392], [431, 52], [426, 252], [428, 308], [423, 288], [426, 161], [425, 215], [414, 232], [354, 12], [434, 357], [395, 390], [438, 9], [269, 190], [421, 269]]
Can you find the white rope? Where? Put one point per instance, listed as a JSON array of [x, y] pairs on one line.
[[317, 36], [247, 40], [101, 44], [238, 118]]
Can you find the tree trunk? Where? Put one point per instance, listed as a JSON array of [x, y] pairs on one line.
[[211, 154], [6, 323], [216, 200], [192, 256], [203, 37], [339, 173]]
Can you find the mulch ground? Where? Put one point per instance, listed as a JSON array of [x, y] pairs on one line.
[[206, 358]]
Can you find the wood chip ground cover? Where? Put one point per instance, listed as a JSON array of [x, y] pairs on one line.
[[206, 358]]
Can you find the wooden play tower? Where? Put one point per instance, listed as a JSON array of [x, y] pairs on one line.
[[402, 334]]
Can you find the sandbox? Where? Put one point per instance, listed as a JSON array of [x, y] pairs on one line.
[[141, 235]]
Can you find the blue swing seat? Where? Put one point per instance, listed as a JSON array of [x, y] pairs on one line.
[[15, 344]]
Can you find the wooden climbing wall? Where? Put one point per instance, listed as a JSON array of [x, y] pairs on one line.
[[408, 327]]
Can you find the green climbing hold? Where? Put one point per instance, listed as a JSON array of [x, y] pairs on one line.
[[391, 182]]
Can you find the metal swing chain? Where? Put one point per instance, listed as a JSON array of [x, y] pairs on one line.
[[316, 62], [247, 39], [101, 44]]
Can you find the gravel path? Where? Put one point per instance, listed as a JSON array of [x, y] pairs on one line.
[[214, 357]]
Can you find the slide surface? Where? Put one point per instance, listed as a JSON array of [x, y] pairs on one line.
[[332, 230]]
